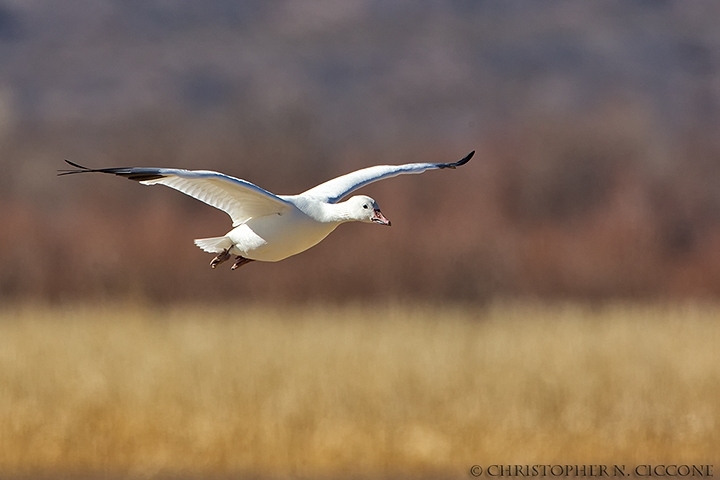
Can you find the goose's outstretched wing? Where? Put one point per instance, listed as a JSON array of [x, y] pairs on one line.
[[334, 190], [238, 198]]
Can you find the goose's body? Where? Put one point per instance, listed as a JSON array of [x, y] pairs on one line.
[[275, 237], [268, 227]]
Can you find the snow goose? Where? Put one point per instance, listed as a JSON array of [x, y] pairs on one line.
[[268, 227]]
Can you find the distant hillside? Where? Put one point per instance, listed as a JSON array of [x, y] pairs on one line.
[[595, 123]]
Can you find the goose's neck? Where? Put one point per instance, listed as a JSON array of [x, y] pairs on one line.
[[336, 213]]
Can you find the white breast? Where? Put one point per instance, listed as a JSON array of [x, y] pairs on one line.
[[275, 237]]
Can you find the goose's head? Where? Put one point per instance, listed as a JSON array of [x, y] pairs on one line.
[[364, 209]]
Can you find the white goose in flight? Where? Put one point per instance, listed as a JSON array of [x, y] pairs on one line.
[[268, 227]]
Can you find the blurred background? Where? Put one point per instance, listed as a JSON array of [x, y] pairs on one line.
[[595, 124], [553, 301]]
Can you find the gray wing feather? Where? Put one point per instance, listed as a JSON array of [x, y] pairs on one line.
[[240, 199], [336, 189]]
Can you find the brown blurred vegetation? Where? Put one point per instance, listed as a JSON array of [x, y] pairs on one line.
[[122, 391], [595, 124]]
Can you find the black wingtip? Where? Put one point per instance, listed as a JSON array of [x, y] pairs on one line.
[[131, 173], [80, 168], [465, 159], [460, 162], [76, 165]]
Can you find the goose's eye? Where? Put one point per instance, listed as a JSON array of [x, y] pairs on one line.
[[365, 206]]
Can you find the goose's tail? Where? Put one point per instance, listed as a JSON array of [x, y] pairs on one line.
[[214, 245]]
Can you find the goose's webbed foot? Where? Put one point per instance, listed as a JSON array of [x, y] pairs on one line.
[[222, 257], [240, 261]]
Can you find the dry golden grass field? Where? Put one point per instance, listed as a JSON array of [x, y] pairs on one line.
[[335, 392]]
